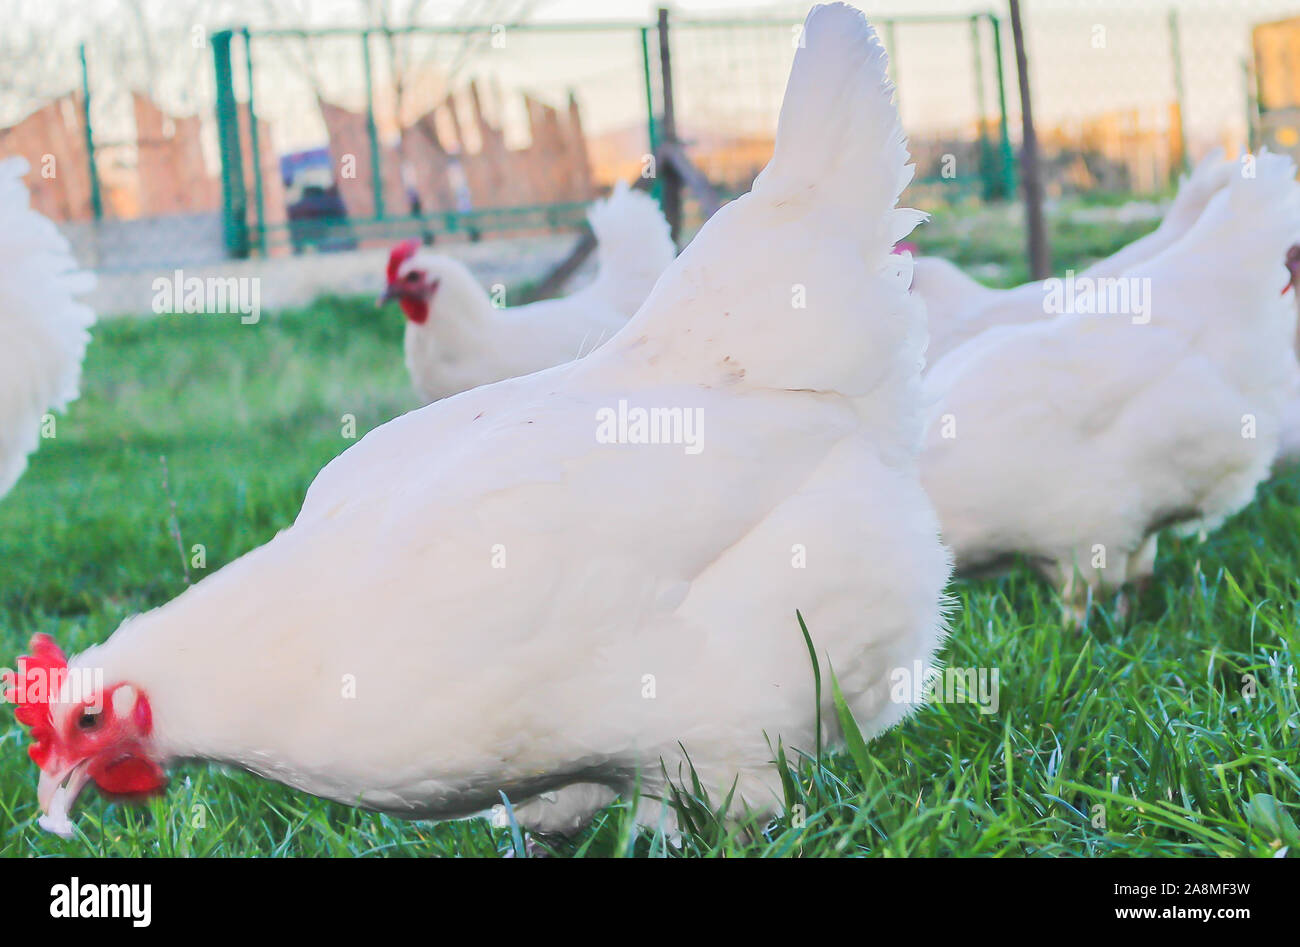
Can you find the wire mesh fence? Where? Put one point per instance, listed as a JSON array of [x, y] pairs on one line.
[[729, 77], [158, 148], [1125, 95], [451, 132], [104, 126], [444, 133]]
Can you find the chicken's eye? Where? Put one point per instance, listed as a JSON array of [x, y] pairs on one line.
[[412, 277], [88, 720]]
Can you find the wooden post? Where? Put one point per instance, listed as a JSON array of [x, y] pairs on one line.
[[706, 194], [1040, 256], [670, 180]]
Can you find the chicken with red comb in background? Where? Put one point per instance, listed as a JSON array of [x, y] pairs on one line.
[[458, 338]]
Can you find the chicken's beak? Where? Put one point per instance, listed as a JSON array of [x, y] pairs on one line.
[[390, 293], [56, 792]]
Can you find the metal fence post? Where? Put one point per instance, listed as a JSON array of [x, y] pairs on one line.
[[1252, 105], [1176, 52], [255, 146], [234, 199], [376, 178], [891, 47], [96, 199], [1004, 144], [988, 180], [652, 129]]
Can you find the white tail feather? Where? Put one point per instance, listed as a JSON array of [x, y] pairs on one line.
[[795, 286], [1196, 189], [633, 246], [1194, 193], [839, 134]]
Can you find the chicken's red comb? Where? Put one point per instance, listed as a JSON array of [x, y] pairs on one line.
[[401, 253], [41, 675]]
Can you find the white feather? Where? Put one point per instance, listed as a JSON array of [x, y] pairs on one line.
[[43, 329], [1074, 440], [959, 308], [467, 342]]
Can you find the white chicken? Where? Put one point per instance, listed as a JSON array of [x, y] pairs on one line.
[[958, 308], [558, 586], [1288, 449], [1075, 440], [457, 339], [43, 329]]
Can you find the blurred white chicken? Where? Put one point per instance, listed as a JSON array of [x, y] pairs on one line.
[[1074, 440], [548, 587], [1288, 448], [43, 329], [958, 308], [456, 339]]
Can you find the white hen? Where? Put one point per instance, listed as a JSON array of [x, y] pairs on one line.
[[958, 308], [43, 333], [511, 591], [1074, 441], [1288, 448], [456, 339]]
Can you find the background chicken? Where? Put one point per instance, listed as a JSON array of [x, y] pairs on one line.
[[456, 339], [487, 595], [1075, 440], [1288, 448], [958, 308], [43, 333]]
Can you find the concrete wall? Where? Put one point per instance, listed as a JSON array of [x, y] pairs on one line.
[[291, 280], [109, 245]]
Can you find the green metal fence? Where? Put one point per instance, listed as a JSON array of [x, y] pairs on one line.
[[363, 73], [729, 71], [1094, 65], [729, 76]]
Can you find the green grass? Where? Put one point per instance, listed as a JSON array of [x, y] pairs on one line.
[[994, 234], [1142, 721]]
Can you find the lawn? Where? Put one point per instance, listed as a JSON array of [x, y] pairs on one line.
[[1171, 732]]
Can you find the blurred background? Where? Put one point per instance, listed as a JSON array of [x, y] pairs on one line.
[[300, 138]]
